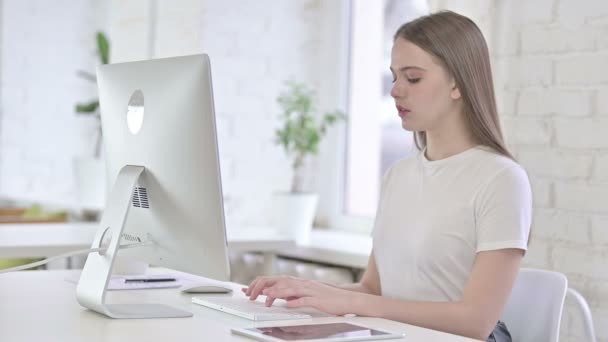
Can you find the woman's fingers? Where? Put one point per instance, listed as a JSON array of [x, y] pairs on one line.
[[261, 284], [290, 288], [284, 292], [269, 300], [248, 289], [257, 288], [302, 301], [278, 287]]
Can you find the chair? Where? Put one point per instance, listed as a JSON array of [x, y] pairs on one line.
[[586, 312], [534, 309]]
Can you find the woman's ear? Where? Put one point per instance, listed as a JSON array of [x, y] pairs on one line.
[[455, 93]]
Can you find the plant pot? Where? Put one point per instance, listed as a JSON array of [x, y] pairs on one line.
[[293, 215], [90, 181]]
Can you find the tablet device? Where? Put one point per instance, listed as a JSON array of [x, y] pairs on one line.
[[327, 332]]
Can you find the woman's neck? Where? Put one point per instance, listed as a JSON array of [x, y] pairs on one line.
[[441, 151], [448, 140]]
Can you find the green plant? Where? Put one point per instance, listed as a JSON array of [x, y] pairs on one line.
[[37, 212], [300, 133], [92, 107]]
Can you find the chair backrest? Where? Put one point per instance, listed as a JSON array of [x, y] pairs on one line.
[[534, 309]]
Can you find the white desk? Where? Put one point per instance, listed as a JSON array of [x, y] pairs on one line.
[[41, 306]]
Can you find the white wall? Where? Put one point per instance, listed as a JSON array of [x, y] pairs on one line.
[[550, 66], [253, 45], [43, 44]]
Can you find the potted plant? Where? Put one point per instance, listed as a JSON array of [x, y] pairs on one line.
[[299, 135], [90, 170], [92, 107]]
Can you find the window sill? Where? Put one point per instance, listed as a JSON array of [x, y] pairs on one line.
[[347, 249]]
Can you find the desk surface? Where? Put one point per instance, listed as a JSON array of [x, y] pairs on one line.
[[41, 306]]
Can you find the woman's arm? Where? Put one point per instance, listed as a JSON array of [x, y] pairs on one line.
[[370, 282], [484, 298]]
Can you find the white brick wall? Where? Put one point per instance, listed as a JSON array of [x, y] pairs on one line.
[[563, 102], [576, 12], [584, 197], [543, 40], [252, 50], [581, 133], [599, 231], [523, 12], [520, 72], [538, 254], [527, 131], [561, 226], [542, 191], [582, 70], [588, 262], [554, 164], [43, 44], [252, 55], [551, 74], [601, 104]]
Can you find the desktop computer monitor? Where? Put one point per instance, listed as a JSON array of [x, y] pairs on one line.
[[164, 186]]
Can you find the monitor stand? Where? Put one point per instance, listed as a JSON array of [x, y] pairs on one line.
[[93, 283]]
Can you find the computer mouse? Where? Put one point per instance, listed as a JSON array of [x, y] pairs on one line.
[[206, 288]]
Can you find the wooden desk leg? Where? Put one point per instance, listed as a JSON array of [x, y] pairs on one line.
[[270, 263]]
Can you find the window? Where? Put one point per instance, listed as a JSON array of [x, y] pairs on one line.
[[374, 138]]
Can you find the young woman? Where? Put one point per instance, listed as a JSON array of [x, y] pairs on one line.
[[453, 221]]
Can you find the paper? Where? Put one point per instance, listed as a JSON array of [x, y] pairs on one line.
[[117, 282]]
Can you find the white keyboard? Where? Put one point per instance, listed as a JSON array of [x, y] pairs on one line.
[[253, 310]]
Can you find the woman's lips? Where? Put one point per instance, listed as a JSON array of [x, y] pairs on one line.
[[402, 111]]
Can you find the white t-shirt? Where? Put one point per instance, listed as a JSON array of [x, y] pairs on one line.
[[434, 216]]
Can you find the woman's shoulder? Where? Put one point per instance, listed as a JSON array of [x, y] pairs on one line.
[[496, 161], [408, 162], [401, 167], [481, 163], [497, 167]]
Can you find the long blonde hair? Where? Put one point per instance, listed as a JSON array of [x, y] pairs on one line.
[[459, 45]]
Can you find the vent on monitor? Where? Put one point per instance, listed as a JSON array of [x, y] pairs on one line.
[[140, 198], [130, 237]]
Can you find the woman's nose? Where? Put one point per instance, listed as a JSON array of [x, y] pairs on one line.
[[397, 90]]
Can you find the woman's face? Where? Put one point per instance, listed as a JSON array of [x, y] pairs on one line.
[[425, 95]]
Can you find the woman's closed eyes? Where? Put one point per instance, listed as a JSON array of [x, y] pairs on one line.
[[411, 80]]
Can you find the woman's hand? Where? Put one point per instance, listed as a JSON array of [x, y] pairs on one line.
[[300, 292]]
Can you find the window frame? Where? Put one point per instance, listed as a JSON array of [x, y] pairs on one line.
[[332, 163]]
